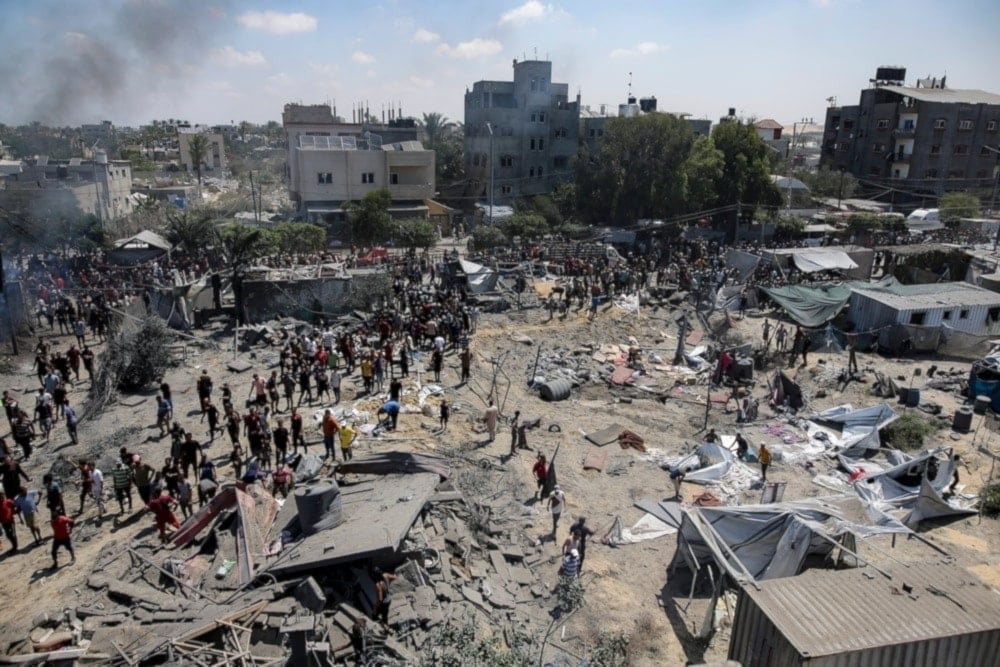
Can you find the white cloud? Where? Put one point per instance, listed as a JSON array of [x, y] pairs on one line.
[[474, 48], [362, 58], [640, 49], [420, 82], [425, 36], [278, 23], [532, 10], [228, 56]]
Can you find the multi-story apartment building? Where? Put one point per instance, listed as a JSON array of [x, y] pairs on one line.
[[332, 162], [528, 125], [926, 139], [99, 187]]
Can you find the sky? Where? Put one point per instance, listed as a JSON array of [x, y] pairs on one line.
[[215, 61]]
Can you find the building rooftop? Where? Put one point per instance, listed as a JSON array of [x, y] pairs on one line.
[[932, 295], [821, 612], [952, 95], [768, 124]]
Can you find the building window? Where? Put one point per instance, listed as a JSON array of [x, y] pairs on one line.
[[531, 172], [559, 162], [475, 159], [848, 124], [541, 117], [324, 178], [956, 173], [543, 84], [591, 133], [541, 172], [843, 146], [965, 125], [909, 125], [506, 160], [534, 117], [534, 84], [394, 179], [946, 315], [981, 173], [991, 126], [882, 124], [532, 144], [917, 318], [368, 177], [506, 189], [878, 149], [993, 315], [541, 144], [961, 149], [561, 133], [963, 315], [939, 123], [984, 151], [935, 149], [931, 173]]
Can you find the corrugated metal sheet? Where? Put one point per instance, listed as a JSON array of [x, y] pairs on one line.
[[842, 618]]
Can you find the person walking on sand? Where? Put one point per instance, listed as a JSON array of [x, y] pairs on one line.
[[62, 530], [557, 501], [444, 414], [491, 417], [764, 456]]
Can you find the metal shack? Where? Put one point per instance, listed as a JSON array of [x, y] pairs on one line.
[[959, 305], [926, 614]]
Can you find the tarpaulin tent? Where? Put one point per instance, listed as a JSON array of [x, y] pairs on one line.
[[771, 541], [811, 261], [858, 429], [707, 465], [785, 391], [745, 263], [811, 306], [478, 278]]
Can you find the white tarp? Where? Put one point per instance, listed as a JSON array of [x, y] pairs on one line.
[[810, 261], [858, 428], [707, 465], [480, 278], [646, 528]]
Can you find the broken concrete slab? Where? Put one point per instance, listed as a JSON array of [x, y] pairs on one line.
[[311, 595]]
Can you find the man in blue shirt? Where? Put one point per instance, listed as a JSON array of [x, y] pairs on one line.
[[391, 411]]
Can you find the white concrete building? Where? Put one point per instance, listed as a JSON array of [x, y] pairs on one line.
[[215, 156]]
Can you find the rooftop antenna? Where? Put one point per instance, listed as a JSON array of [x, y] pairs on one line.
[[629, 84], [536, 52]]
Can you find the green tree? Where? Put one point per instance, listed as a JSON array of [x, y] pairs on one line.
[[198, 147], [449, 162], [954, 206], [746, 175], [243, 246], [435, 126], [295, 237], [413, 233], [703, 169], [788, 227], [637, 171], [485, 237], [191, 231], [564, 197], [525, 225], [369, 219], [828, 182], [545, 206]]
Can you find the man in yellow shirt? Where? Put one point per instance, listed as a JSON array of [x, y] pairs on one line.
[[347, 437], [764, 456], [367, 374]]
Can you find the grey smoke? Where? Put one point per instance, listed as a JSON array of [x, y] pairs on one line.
[[102, 60]]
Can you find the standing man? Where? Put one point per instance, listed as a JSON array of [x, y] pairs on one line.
[[541, 471], [71, 422], [764, 456], [581, 531], [162, 509], [204, 386], [335, 381], [347, 437], [465, 357], [7, 511], [330, 428], [121, 478], [143, 475], [297, 437], [557, 501], [852, 358], [767, 334], [62, 529], [779, 337], [676, 478], [26, 503], [491, 417]]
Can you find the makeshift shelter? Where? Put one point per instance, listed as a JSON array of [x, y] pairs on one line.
[[811, 306], [708, 464], [785, 391], [851, 431], [924, 614], [758, 542], [853, 262], [143, 247], [478, 279]]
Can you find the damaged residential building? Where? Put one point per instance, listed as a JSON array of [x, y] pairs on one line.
[[332, 162]]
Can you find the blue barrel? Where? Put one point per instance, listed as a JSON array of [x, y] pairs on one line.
[[913, 398]]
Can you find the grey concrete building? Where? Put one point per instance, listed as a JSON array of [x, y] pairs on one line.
[[535, 131], [332, 162], [927, 138], [101, 187]]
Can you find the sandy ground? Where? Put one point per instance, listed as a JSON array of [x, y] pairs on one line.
[[627, 588]]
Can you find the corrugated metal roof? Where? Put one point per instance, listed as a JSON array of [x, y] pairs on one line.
[[931, 295], [826, 612], [953, 95]]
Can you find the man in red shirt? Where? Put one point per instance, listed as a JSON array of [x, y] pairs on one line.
[[62, 527], [7, 510], [541, 472], [162, 509]]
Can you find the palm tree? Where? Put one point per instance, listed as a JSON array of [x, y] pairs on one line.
[[434, 125], [198, 146]]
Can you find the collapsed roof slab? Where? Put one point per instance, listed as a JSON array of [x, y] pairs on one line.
[[378, 513]]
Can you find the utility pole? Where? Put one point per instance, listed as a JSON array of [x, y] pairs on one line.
[[10, 316]]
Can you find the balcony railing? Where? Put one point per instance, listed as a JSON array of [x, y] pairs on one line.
[[905, 131], [411, 191]]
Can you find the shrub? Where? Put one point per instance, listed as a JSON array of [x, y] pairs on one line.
[[908, 432], [989, 500]]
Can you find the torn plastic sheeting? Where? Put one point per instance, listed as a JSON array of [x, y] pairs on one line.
[[709, 463], [627, 302], [426, 391], [646, 528], [931, 505]]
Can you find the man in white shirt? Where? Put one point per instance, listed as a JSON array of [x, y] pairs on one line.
[[97, 489], [557, 501]]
